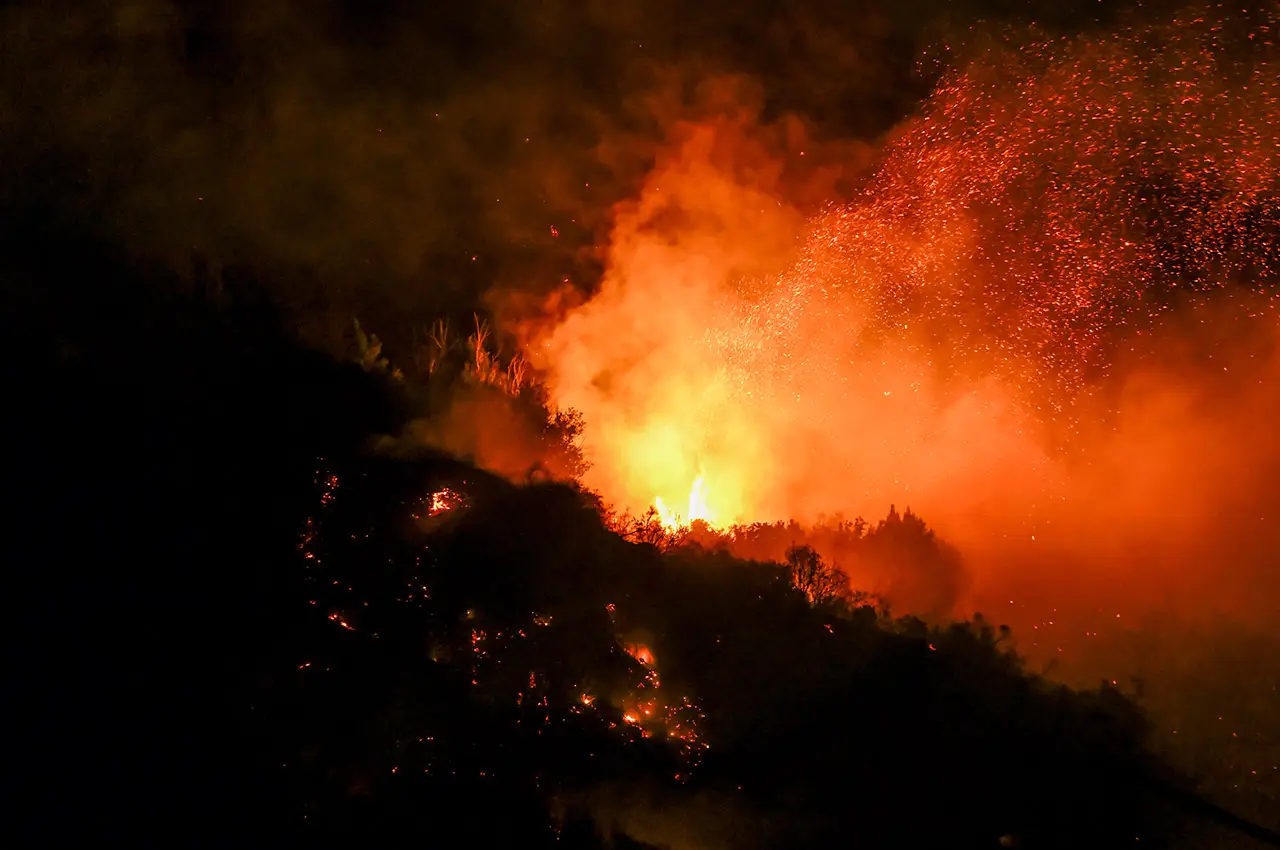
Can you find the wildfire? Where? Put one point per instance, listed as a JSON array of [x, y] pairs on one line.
[[905, 347], [646, 709], [640, 653], [698, 508], [442, 501]]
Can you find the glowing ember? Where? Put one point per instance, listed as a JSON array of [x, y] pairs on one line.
[[329, 485], [442, 501]]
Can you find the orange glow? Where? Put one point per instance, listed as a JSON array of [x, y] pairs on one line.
[[442, 501], [980, 332], [698, 508], [720, 370], [646, 708], [640, 653]]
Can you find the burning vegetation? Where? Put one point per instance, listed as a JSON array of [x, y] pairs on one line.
[[568, 664], [576, 569], [1056, 278]]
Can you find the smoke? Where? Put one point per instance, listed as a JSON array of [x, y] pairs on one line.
[[387, 162], [990, 331], [1041, 313], [952, 334], [1170, 500], [399, 161], [986, 324], [659, 818], [395, 159]]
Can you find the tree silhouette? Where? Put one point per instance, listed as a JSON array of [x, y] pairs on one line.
[[820, 582]]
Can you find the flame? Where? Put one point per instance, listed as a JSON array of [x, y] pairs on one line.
[[698, 508], [640, 653], [442, 501], [952, 335]]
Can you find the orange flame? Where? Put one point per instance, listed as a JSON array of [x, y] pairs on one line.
[[443, 501], [640, 653], [931, 341], [698, 508]]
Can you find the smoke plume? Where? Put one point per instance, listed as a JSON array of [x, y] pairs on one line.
[[990, 331]]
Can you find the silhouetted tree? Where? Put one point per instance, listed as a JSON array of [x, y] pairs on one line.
[[820, 582]]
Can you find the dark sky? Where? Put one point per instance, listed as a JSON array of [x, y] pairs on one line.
[[372, 149]]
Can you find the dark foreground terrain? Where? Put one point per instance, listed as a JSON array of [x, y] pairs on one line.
[[232, 622]]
